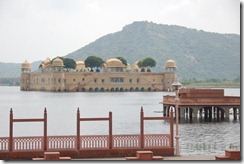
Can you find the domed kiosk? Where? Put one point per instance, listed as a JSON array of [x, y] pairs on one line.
[[25, 76], [25, 67], [170, 65], [45, 64], [136, 67], [58, 65], [114, 65]]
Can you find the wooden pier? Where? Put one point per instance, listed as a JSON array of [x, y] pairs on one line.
[[207, 103]]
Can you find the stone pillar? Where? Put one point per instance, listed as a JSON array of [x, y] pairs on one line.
[[217, 113], [235, 113], [200, 113], [186, 112], [222, 114], [205, 112], [164, 111], [227, 112], [182, 112], [214, 111], [190, 113], [195, 111], [210, 113]]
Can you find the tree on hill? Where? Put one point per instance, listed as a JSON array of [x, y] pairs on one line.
[[147, 62], [68, 63], [94, 62], [122, 60]]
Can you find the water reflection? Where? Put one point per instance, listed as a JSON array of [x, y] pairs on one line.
[[208, 136]]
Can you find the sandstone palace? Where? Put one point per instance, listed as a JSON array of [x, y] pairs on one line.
[[113, 77]]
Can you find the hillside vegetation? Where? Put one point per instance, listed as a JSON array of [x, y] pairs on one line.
[[198, 54]]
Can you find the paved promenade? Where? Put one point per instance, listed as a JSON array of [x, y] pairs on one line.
[[190, 157]]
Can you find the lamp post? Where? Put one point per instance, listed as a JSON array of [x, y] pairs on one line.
[[176, 84]]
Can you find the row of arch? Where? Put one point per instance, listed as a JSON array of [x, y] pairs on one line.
[[204, 112], [115, 89]]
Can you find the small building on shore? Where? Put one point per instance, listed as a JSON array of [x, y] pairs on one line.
[[114, 77], [202, 102]]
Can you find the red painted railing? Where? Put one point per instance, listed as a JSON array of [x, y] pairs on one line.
[[126, 141], [157, 140], [86, 142], [4, 142], [28, 143], [61, 142], [94, 142]]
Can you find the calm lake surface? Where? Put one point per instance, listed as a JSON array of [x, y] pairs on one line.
[[196, 137]]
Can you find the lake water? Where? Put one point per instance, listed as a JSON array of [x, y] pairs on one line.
[[197, 137]]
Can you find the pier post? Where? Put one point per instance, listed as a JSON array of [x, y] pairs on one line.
[[78, 130], [11, 131], [171, 128], [45, 129], [110, 131], [142, 128]]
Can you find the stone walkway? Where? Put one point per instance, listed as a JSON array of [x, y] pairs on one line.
[[183, 158]]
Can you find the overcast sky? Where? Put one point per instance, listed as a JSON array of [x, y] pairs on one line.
[[37, 29]]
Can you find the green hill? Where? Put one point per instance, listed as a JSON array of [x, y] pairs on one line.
[[12, 70], [198, 54]]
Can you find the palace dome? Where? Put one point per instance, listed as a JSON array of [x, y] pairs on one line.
[[57, 63], [135, 66], [46, 63], [78, 63], [113, 62], [170, 64], [26, 65]]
